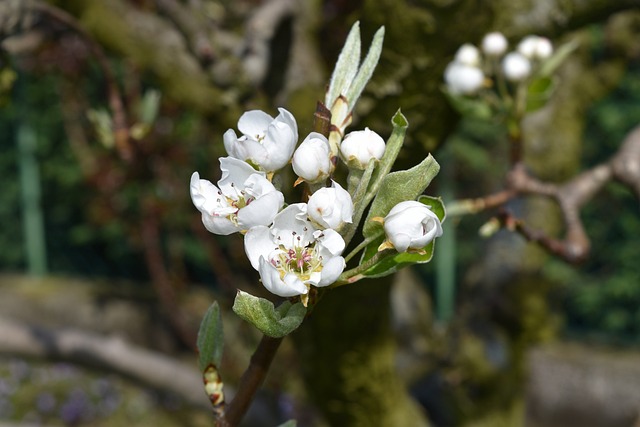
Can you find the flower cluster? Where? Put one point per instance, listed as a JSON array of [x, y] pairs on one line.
[[472, 68], [298, 246]]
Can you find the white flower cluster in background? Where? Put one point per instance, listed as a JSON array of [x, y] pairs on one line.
[[473, 69], [297, 246]]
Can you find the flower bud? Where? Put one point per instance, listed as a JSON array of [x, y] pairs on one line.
[[544, 49], [411, 225], [535, 47], [516, 67], [468, 54], [463, 79], [359, 147], [329, 207], [312, 159], [494, 44]]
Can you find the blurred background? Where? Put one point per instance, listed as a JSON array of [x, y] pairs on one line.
[[108, 106]]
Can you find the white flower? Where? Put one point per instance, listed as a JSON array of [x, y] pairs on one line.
[[544, 49], [463, 79], [494, 44], [312, 159], [411, 224], [329, 207], [468, 54], [535, 47], [292, 255], [359, 147], [243, 199], [266, 142], [516, 67]]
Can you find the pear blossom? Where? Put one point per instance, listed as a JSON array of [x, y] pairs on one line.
[[292, 255], [494, 44], [265, 142], [244, 198], [411, 225], [516, 67], [468, 54], [535, 47], [359, 147], [330, 207], [463, 79], [312, 159]]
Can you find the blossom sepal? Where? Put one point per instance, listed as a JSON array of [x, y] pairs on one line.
[[391, 260], [271, 321]]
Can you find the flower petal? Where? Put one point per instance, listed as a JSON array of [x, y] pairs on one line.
[[204, 194], [258, 243], [331, 270], [261, 211], [235, 173], [290, 227], [289, 287], [218, 224], [330, 242], [254, 123]]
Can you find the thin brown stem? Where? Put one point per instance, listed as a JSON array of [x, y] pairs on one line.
[[251, 380]]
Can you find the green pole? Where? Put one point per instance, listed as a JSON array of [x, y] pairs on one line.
[[32, 219], [445, 253]]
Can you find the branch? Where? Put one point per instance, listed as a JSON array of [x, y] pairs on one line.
[[251, 380], [114, 354], [570, 196], [121, 129]]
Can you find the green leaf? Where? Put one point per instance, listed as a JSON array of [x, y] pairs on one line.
[[538, 93], [394, 262], [346, 66], [549, 66], [391, 151], [210, 338], [397, 187], [290, 423], [274, 322], [366, 70], [149, 106]]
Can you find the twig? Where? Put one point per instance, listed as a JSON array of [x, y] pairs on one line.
[[121, 130], [570, 197], [251, 380]]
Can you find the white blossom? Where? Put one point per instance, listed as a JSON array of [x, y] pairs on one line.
[[463, 79], [359, 147], [494, 44], [312, 159], [292, 255], [535, 47], [468, 54], [411, 225], [516, 67], [244, 198], [330, 207], [265, 142]]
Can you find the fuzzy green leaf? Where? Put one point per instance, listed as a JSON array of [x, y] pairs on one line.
[[274, 322], [549, 65], [391, 151], [366, 70], [346, 66], [210, 340]]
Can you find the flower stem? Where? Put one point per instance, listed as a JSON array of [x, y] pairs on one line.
[[362, 245], [251, 380], [348, 276]]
